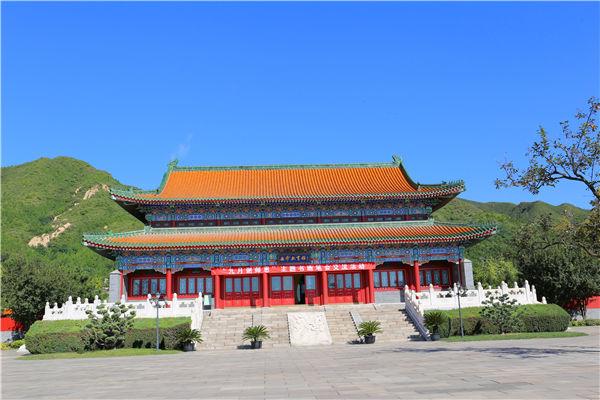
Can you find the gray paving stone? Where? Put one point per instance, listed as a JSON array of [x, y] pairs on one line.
[[524, 369]]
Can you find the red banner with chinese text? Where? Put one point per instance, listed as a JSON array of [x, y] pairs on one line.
[[293, 269]]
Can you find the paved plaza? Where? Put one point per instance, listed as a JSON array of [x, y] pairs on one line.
[[528, 369]]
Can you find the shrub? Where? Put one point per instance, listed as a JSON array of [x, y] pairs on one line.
[[473, 323], [15, 344], [543, 318], [55, 337], [500, 311], [69, 335], [531, 318], [143, 333], [108, 329]]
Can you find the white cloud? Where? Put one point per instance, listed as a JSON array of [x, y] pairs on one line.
[[183, 149]]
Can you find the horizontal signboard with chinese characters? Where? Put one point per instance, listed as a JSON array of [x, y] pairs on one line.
[[292, 258], [286, 269]]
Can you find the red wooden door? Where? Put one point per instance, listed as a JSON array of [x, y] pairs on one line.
[[312, 294], [242, 292], [346, 288], [282, 290]]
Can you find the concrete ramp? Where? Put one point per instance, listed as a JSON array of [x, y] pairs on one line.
[[308, 329]]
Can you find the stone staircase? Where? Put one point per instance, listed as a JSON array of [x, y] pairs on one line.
[[396, 325], [223, 329]]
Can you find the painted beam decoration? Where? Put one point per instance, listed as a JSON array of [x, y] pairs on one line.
[[208, 261]]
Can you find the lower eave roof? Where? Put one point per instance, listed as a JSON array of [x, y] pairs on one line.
[[270, 236]]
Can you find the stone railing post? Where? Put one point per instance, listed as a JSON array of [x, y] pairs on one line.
[[431, 295], [504, 287], [480, 293], [533, 295], [527, 292]]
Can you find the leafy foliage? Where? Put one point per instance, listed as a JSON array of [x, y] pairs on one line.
[[256, 333], [499, 310], [565, 275], [28, 284], [369, 328], [107, 330], [573, 157], [495, 271]]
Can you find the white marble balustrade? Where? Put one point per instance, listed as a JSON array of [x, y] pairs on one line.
[[417, 303], [144, 309]]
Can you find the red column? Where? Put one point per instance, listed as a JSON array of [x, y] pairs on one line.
[[460, 272], [217, 293], [265, 290], [417, 277], [169, 286], [121, 285], [324, 296], [371, 298]]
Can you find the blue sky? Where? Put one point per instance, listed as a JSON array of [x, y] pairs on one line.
[[453, 88]]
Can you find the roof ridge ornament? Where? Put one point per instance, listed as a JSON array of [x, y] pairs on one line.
[[173, 163], [396, 159]]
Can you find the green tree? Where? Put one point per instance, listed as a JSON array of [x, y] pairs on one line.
[[574, 156], [565, 275], [106, 330], [28, 284], [493, 271], [500, 311]]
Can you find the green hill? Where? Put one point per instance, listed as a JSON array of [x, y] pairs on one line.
[[63, 197], [53, 202]]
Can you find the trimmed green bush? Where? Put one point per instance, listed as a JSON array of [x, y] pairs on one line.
[[69, 336], [473, 324], [55, 337], [543, 318], [531, 318], [143, 334]]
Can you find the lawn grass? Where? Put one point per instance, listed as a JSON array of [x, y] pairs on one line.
[[514, 336], [99, 354]]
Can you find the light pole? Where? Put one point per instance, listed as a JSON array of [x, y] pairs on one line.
[[158, 301], [459, 294]]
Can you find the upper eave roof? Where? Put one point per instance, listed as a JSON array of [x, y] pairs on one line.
[[271, 236], [287, 183]]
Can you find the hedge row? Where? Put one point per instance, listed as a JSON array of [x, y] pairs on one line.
[[531, 318], [69, 336]]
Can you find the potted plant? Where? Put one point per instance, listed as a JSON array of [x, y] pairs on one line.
[[368, 329], [187, 337], [433, 321], [256, 334]]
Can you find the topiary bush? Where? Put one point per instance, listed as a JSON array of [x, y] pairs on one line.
[[543, 318], [55, 337], [143, 333], [531, 318], [70, 336]]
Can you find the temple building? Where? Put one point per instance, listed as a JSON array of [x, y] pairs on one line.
[[288, 234]]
